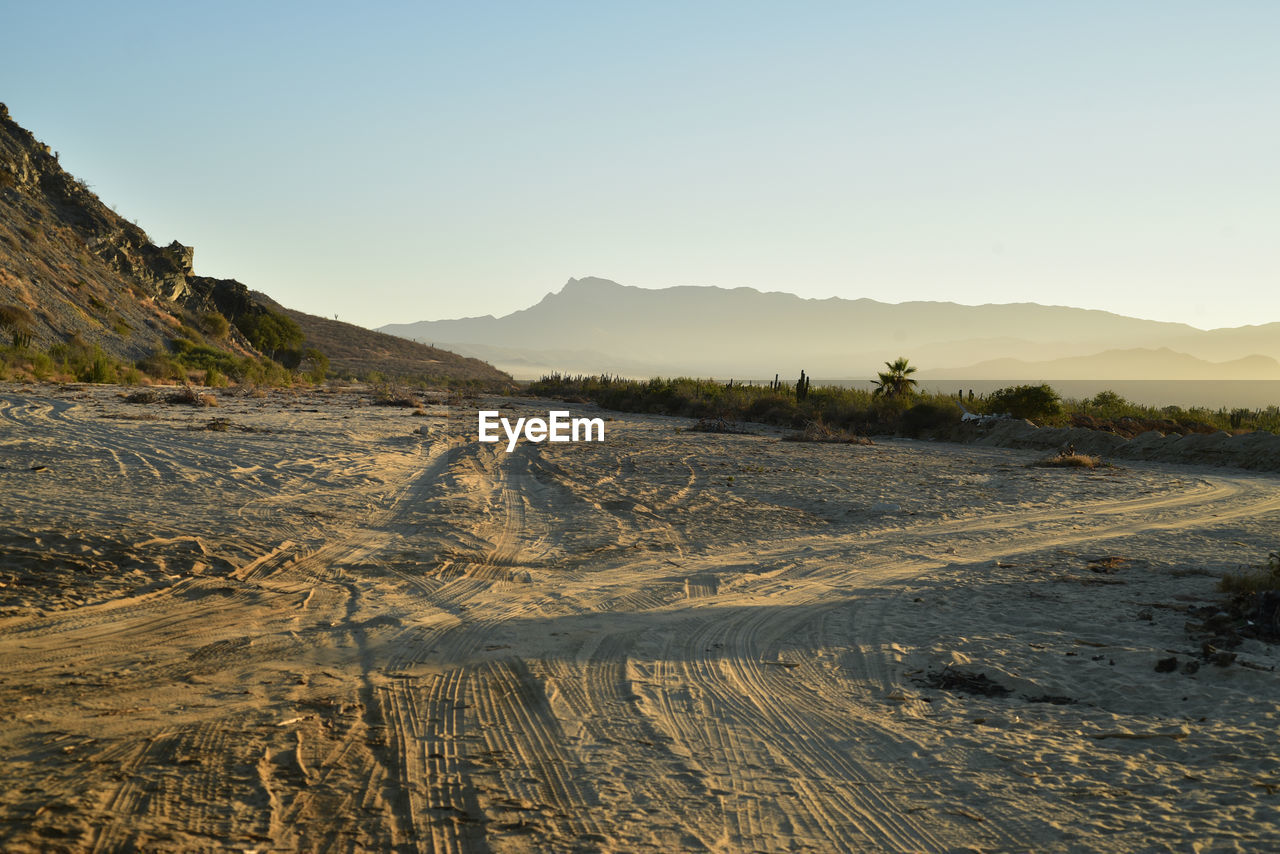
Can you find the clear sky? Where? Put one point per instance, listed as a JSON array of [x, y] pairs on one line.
[[393, 162]]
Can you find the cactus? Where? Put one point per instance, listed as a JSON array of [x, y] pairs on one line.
[[802, 387]]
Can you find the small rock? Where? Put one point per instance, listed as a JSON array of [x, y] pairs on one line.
[[1167, 665], [1222, 658]]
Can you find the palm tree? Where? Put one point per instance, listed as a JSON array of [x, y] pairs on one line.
[[895, 382]]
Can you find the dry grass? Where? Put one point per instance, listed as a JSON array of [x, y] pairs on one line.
[[191, 397], [816, 431], [717, 425], [1072, 461], [1253, 579]]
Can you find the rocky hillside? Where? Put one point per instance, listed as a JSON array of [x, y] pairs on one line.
[[76, 278], [354, 351]]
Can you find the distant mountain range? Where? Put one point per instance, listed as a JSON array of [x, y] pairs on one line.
[[594, 325]]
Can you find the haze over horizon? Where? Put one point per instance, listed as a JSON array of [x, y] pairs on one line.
[[420, 163]]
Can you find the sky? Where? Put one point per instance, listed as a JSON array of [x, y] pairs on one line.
[[396, 162]]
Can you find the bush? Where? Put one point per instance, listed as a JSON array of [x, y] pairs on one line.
[[816, 431], [316, 365], [270, 333], [1033, 402], [215, 325], [1071, 461], [929, 416], [1256, 579], [161, 365], [99, 370], [19, 322], [203, 357], [214, 378]]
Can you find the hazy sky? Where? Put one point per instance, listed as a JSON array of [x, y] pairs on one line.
[[414, 161]]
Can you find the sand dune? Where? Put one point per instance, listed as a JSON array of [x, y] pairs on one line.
[[318, 629]]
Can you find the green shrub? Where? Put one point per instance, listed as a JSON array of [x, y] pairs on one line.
[[42, 366], [315, 364], [203, 357], [162, 365], [270, 333], [1033, 402], [215, 325], [99, 369], [214, 378], [930, 415]]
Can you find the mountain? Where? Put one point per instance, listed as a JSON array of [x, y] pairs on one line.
[[593, 325], [1110, 365], [77, 280]]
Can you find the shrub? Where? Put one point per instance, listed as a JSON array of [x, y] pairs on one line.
[[100, 369], [214, 378], [929, 416], [203, 357], [42, 366], [270, 333], [1025, 401], [1257, 579], [19, 322], [316, 365], [1071, 460], [816, 431], [161, 365], [215, 325]]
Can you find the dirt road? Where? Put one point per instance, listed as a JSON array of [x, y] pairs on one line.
[[314, 628]]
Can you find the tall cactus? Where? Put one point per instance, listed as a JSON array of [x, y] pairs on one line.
[[802, 387]]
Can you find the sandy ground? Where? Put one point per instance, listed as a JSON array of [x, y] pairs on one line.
[[320, 630]]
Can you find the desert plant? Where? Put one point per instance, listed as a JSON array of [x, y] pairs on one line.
[[215, 325], [214, 378], [1253, 579], [897, 381], [271, 333], [1071, 460], [816, 431], [99, 369], [1025, 401], [316, 365], [19, 322]]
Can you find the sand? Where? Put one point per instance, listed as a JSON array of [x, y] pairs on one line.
[[319, 629]]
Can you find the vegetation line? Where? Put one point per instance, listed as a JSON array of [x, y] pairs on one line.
[[896, 407]]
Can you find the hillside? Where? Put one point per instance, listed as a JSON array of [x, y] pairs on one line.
[[354, 351], [80, 286], [593, 325]]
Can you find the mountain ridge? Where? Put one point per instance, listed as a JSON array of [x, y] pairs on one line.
[[745, 332]]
